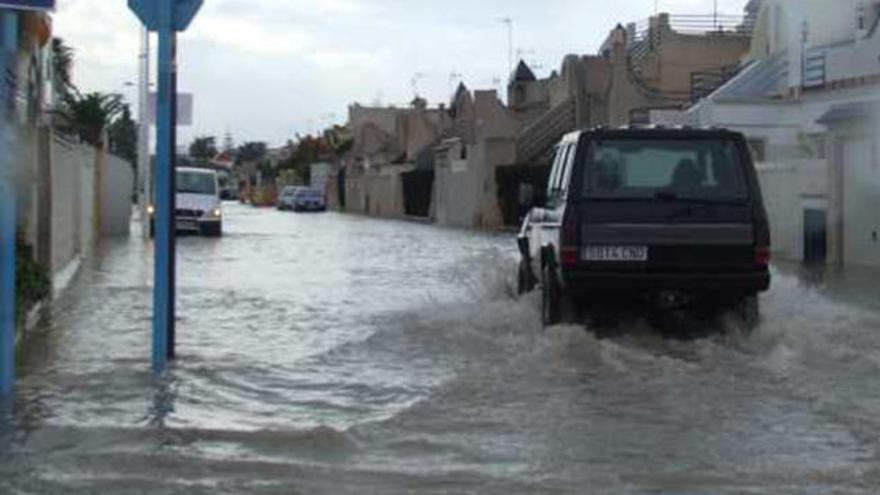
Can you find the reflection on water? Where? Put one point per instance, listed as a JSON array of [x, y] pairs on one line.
[[334, 354]]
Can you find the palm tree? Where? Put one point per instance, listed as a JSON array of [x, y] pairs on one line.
[[62, 65], [89, 116]]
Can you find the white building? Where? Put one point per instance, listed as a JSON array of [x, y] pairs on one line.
[[320, 174], [808, 99]]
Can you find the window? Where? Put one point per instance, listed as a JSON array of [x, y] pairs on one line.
[[817, 146], [554, 170], [558, 175], [520, 95], [196, 183], [639, 169], [758, 148]]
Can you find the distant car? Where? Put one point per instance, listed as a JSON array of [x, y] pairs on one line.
[[286, 198], [199, 207], [309, 199], [674, 216]]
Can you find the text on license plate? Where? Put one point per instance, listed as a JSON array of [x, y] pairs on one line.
[[615, 253], [187, 225]]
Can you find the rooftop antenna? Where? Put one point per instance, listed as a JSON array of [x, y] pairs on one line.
[[415, 83], [509, 23], [715, 15]]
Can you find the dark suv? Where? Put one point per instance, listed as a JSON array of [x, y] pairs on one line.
[[674, 216]]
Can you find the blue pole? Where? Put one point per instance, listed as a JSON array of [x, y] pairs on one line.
[[163, 295], [7, 211]]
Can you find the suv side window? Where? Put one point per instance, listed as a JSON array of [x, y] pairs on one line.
[[554, 169], [555, 189]]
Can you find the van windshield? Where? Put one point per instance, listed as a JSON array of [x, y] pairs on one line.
[[310, 194], [196, 183], [696, 169]]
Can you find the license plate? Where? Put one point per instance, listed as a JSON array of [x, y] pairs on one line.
[[187, 225], [615, 253]]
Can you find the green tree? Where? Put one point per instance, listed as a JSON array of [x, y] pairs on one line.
[[89, 116], [123, 135], [203, 149], [251, 151]]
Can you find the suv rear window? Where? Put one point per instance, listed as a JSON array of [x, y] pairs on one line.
[[687, 169]]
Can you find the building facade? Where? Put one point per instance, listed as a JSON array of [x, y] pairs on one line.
[[807, 102]]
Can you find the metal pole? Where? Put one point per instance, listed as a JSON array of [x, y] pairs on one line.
[[146, 177], [172, 248], [509, 22], [163, 295], [716, 15], [7, 209]]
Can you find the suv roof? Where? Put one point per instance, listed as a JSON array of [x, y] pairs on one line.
[[649, 132], [206, 171]]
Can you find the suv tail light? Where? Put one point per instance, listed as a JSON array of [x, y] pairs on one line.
[[568, 250], [762, 256]]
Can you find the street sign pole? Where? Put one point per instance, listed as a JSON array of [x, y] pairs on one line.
[[167, 17], [9, 42], [163, 296]]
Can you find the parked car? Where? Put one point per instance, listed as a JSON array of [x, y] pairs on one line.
[[309, 199], [286, 198], [674, 216], [199, 207]]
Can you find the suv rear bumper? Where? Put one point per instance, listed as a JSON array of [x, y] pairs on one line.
[[593, 282]]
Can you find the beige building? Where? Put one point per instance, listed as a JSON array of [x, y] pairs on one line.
[[665, 62], [482, 139], [807, 100], [387, 142]]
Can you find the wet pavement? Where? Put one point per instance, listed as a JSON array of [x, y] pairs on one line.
[[338, 354]]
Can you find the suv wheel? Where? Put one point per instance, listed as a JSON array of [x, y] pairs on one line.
[[749, 309], [551, 310], [525, 279]]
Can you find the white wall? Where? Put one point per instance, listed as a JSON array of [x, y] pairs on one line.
[[116, 191], [789, 188], [72, 167], [861, 202]]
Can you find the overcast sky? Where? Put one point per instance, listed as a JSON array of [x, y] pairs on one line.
[[288, 66]]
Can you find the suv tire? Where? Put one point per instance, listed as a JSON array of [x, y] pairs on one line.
[[525, 282], [551, 299]]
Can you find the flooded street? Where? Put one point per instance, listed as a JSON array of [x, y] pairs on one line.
[[337, 354]]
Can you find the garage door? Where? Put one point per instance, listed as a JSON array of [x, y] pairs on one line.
[[861, 203]]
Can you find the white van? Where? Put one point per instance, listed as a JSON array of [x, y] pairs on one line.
[[199, 208]]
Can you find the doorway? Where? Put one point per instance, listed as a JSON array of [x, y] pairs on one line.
[[815, 236]]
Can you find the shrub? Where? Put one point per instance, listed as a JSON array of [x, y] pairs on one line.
[[32, 283]]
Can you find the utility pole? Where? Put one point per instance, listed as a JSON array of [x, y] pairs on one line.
[[144, 169]]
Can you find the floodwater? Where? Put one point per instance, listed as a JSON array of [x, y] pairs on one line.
[[331, 354]]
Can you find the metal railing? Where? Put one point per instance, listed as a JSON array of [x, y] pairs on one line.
[[643, 34], [541, 135]]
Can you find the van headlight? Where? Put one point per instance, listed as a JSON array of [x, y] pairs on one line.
[[151, 210]]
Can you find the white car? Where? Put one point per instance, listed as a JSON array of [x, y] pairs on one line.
[[199, 208]]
